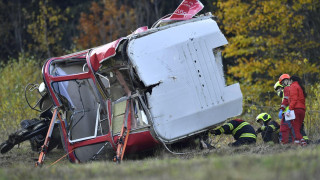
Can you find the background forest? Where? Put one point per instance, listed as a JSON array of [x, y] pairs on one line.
[[266, 39]]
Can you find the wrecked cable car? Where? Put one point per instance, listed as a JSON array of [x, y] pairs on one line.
[[156, 86]]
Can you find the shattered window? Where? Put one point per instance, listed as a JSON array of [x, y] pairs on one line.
[[119, 82], [121, 86], [85, 117], [119, 113]]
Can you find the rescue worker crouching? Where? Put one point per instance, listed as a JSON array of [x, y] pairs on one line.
[[242, 132], [269, 129]]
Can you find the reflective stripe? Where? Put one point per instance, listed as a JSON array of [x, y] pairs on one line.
[[285, 97], [273, 127], [263, 128], [230, 125], [239, 127], [285, 108], [250, 135], [305, 137], [221, 130]]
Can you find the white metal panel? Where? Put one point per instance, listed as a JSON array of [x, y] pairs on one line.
[[191, 95], [171, 125], [152, 53]]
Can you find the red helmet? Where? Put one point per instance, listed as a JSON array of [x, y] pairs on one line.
[[283, 76]]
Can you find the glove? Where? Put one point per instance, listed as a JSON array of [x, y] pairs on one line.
[[280, 114], [215, 132], [259, 130], [287, 113]]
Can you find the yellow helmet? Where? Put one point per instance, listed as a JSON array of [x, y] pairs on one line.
[[264, 117], [277, 85]]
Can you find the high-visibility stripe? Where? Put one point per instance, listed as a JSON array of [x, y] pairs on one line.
[[221, 130], [239, 127], [273, 127], [263, 128], [285, 97], [305, 137], [285, 108], [248, 135], [230, 125]]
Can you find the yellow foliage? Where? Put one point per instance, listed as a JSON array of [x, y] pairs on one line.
[[46, 29], [14, 77], [313, 114], [266, 39]]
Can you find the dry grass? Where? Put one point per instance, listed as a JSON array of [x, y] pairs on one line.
[[248, 162]]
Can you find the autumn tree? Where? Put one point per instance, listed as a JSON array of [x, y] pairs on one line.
[[268, 38], [106, 21], [45, 29]]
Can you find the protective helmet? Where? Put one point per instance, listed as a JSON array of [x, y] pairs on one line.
[[277, 85], [264, 117], [283, 76]]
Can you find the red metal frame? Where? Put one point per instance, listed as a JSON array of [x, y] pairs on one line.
[[102, 53], [138, 141]]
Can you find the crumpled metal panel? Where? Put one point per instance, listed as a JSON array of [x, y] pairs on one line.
[[192, 94], [102, 53], [186, 10]]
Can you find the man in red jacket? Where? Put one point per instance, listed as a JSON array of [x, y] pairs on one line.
[[297, 96], [286, 128]]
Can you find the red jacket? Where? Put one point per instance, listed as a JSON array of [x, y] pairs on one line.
[[296, 97], [285, 99]]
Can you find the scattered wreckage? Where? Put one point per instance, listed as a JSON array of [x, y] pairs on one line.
[[156, 86]]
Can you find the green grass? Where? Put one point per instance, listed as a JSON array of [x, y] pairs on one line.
[[250, 162]]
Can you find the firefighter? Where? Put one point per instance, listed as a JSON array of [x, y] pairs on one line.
[[286, 128], [242, 132], [279, 90], [269, 129]]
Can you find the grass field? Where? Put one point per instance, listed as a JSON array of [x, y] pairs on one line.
[[249, 162]]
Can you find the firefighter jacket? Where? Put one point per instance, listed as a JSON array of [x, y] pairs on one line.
[[269, 130], [238, 128], [296, 97]]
